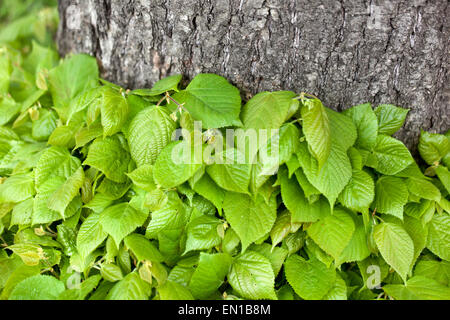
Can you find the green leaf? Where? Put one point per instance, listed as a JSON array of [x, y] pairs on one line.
[[276, 255], [142, 248], [334, 175], [391, 194], [311, 279], [359, 193], [143, 177], [395, 246], [76, 74], [357, 249], [202, 233], [208, 189], [257, 221], [55, 162], [120, 220], [9, 109], [366, 124], [90, 235], [268, 110], [210, 274], [339, 290], [114, 111], [233, 174], [109, 156], [150, 131], [176, 164], [433, 147], [444, 176], [437, 270], [423, 189], [249, 276], [112, 273], [132, 287], [316, 128], [211, 99], [174, 291], [391, 155], [439, 236], [164, 85], [390, 118], [17, 188], [282, 227], [296, 202], [333, 233], [65, 194], [39, 287], [418, 288], [418, 233]]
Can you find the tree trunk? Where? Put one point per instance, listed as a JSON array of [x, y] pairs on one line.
[[345, 52]]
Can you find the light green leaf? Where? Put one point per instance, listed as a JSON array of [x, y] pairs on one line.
[[276, 255], [437, 270], [357, 249], [17, 188], [166, 84], [296, 202], [114, 110], [311, 279], [390, 118], [439, 236], [111, 272], [202, 233], [211, 99], [65, 194], [249, 276], [339, 290], [233, 174], [142, 248], [316, 127], [282, 227], [39, 287], [132, 287], [391, 155], [391, 194], [120, 220], [143, 177], [395, 246], [433, 147], [334, 175], [76, 74], [90, 235], [208, 189], [418, 288], [55, 162], [359, 193], [250, 219], [423, 189], [174, 291], [444, 175], [268, 110], [176, 164], [109, 156], [210, 274], [366, 124], [333, 233], [150, 131]]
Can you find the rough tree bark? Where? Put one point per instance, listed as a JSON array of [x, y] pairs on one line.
[[346, 52]]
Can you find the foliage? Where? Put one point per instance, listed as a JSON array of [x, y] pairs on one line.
[[94, 205]]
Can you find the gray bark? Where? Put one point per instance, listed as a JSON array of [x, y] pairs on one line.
[[345, 52]]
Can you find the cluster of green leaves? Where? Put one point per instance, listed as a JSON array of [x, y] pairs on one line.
[[93, 205]]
